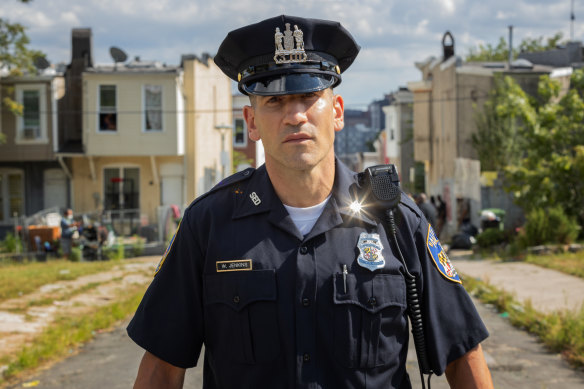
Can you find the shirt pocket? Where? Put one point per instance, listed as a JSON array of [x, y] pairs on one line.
[[241, 320], [369, 319]]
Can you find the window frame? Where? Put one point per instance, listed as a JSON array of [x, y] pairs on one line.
[[120, 169], [145, 109], [113, 111], [244, 131], [42, 137]]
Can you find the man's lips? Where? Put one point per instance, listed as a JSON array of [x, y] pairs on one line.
[[297, 138]]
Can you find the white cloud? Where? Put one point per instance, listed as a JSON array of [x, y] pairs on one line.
[[70, 18], [393, 33], [422, 27]]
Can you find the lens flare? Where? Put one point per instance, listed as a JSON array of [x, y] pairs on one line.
[[355, 207]]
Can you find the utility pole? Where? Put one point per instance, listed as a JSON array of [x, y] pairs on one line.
[[572, 17]]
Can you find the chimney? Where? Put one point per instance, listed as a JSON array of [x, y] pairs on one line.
[[447, 47], [82, 46]]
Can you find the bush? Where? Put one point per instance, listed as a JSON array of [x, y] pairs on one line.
[[137, 246], [116, 251], [550, 226], [11, 244], [75, 255], [491, 237]]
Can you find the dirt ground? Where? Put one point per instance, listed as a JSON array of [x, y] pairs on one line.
[[23, 318]]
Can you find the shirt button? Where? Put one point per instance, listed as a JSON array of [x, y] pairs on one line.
[[306, 357], [306, 302], [303, 250], [236, 299], [372, 301]]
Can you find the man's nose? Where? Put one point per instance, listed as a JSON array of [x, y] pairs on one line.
[[295, 112]]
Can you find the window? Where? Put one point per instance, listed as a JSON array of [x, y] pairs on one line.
[[108, 117], [152, 108], [121, 188], [239, 133], [11, 194], [31, 114], [31, 126]]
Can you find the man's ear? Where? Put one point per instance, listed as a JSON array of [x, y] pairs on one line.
[[338, 112], [249, 116]]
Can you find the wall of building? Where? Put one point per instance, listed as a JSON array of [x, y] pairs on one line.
[[208, 104], [444, 126], [88, 190], [472, 91], [130, 138]]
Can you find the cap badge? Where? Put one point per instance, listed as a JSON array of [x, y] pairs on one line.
[[370, 248], [289, 45]]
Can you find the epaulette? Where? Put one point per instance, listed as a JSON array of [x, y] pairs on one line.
[[225, 183], [407, 202]]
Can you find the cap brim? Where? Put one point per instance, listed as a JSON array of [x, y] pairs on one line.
[[288, 84]]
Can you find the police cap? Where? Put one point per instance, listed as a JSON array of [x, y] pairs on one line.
[[287, 55]]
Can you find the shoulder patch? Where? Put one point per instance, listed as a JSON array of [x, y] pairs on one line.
[[440, 258]]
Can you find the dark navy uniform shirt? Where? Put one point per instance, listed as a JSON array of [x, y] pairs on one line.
[[273, 308]]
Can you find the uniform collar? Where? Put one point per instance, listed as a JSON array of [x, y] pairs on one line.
[[260, 196]]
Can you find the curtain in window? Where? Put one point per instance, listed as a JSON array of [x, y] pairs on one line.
[[153, 107]]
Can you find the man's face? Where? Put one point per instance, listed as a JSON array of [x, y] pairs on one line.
[[297, 131]]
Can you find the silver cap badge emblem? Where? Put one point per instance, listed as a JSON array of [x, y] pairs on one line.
[[289, 45]]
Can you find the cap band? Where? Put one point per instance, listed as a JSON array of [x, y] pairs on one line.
[[293, 83]]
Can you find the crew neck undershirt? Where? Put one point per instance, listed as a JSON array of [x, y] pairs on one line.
[[305, 218]]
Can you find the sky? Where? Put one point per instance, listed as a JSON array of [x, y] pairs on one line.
[[393, 34]]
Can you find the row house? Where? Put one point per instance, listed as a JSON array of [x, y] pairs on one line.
[[445, 104], [135, 139], [31, 176]]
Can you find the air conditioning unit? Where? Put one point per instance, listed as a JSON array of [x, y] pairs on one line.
[[29, 133]]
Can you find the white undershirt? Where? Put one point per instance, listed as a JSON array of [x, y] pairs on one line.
[[305, 218]]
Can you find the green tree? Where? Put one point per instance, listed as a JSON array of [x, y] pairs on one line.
[[16, 57], [531, 45], [547, 169], [496, 140], [488, 52], [239, 158], [500, 52]]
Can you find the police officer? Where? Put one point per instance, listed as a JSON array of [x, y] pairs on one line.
[[284, 283]]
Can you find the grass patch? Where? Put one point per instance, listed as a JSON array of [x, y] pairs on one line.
[[68, 332], [569, 263], [20, 279], [561, 332]]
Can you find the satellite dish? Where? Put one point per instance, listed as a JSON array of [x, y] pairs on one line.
[[118, 54], [41, 63]]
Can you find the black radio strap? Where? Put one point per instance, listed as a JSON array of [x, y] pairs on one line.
[[383, 184]]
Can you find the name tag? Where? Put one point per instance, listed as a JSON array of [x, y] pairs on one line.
[[239, 265]]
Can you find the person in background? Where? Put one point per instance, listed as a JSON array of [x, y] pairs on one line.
[[68, 229], [427, 208]]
